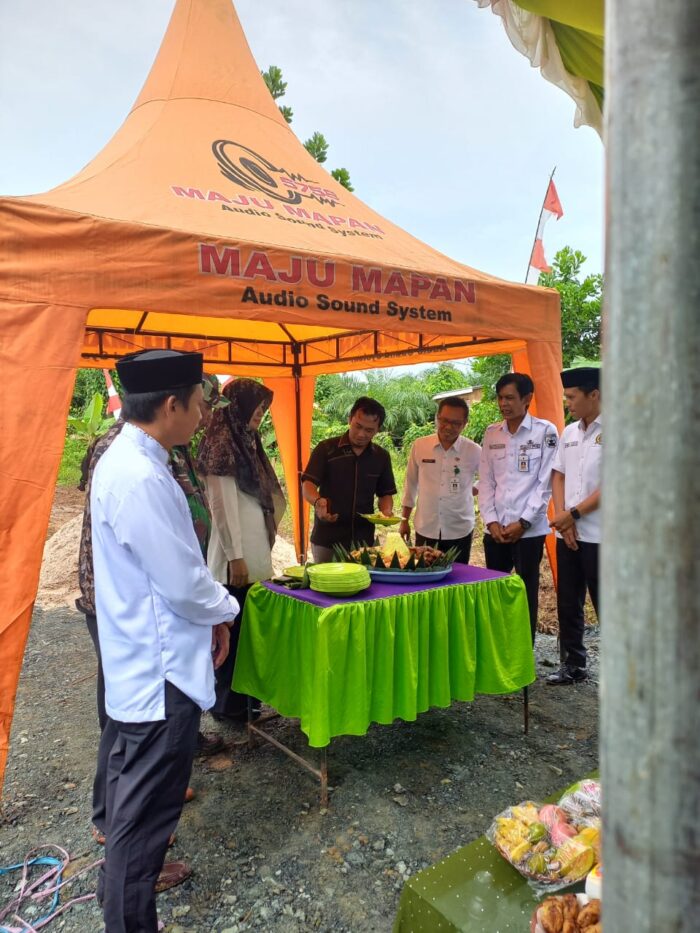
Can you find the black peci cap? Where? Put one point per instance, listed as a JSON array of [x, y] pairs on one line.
[[159, 370], [583, 377]]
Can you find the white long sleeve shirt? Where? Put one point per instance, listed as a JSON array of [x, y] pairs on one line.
[[238, 530], [155, 598], [515, 474], [442, 480], [579, 457]]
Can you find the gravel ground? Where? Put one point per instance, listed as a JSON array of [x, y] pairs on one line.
[[265, 856]]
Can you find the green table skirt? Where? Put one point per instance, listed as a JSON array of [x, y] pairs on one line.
[[339, 669]]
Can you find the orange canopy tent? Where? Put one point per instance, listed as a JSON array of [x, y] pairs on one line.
[[205, 225]]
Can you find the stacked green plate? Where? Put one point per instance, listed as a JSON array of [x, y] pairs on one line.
[[339, 579]]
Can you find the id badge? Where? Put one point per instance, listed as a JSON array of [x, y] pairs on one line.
[[454, 487], [523, 464]]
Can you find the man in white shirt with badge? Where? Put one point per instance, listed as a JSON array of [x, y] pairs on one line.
[[162, 623], [576, 498], [440, 472], [515, 486]]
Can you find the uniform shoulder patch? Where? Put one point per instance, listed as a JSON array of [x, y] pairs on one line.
[[550, 440]]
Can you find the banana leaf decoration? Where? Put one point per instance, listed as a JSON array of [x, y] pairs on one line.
[[395, 563]]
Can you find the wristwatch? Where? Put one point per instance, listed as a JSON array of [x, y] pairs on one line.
[[524, 524], [575, 514]]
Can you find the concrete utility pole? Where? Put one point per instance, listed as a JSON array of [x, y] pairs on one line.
[[651, 511]]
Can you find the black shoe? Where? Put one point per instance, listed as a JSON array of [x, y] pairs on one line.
[[209, 744], [235, 719], [567, 675]]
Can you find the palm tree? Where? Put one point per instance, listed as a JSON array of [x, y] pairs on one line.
[[406, 399]]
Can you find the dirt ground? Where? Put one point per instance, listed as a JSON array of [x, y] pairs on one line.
[[265, 856]]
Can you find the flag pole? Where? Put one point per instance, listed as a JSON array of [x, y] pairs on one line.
[[534, 240]]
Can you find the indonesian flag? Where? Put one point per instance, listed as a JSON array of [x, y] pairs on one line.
[[551, 208], [114, 403]]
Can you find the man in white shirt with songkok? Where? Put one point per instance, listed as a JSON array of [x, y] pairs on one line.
[[576, 498], [515, 485], [162, 623], [440, 473]]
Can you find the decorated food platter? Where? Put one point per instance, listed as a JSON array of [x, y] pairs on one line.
[[396, 562], [401, 576]]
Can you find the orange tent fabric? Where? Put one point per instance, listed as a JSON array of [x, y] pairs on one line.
[[204, 224]]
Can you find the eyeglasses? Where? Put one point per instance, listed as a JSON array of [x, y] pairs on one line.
[[449, 423]]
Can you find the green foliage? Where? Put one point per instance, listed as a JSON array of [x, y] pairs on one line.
[[317, 146], [342, 176], [88, 382], [580, 305], [273, 79], [89, 424], [487, 370], [74, 450], [443, 378], [413, 433], [481, 415], [277, 87], [385, 440]]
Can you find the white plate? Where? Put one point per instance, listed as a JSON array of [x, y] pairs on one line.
[[408, 576]]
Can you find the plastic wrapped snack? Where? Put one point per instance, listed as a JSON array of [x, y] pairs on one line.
[[583, 803], [545, 845]]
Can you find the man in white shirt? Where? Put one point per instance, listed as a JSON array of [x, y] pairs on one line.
[[515, 486], [162, 623], [576, 497], [440, 472]]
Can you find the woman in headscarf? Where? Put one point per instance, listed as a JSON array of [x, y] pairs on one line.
[[247, 504]]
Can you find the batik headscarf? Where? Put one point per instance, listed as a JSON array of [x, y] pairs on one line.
[[231, 448]]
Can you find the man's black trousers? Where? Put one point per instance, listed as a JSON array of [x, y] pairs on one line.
[[524, 557], [147, 774], [577, 571], [108, 733]]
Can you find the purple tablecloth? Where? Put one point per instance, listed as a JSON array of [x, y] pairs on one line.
[[461, 574]]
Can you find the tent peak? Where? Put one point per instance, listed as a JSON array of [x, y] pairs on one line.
[[205, 55]]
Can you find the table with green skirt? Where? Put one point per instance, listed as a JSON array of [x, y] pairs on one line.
[[391, 652]]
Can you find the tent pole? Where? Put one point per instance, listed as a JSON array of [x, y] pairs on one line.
[[650, 565], [296, 370]]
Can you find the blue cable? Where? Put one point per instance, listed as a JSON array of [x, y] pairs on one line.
[[41, 860]]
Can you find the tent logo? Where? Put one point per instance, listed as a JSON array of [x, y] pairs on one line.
[[254, 172]]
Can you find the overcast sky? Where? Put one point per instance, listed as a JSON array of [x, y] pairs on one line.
[[446, 130]]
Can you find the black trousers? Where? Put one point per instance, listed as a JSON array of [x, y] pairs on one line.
[[108, 734], [147, 773], [524, 557], [577, 572], [228, 703], [464, 544]]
